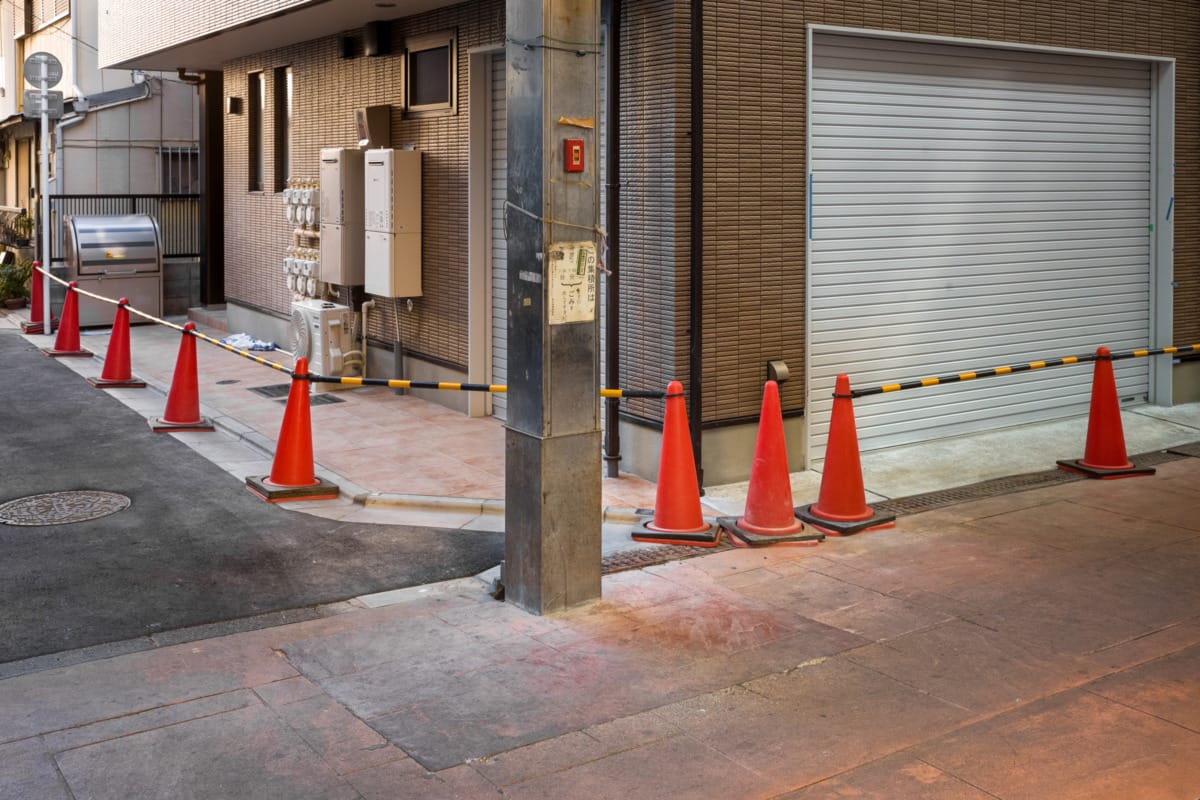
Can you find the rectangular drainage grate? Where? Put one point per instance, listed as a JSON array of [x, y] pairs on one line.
[[1192, 450], [656, 554], [319, 400], [275, 390], [994, 488], [280, 391]]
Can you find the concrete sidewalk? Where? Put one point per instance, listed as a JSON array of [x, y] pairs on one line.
[[1042, 644], [1032, 644], [401, 459]]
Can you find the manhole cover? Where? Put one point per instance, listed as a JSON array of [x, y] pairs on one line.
[[60, 508]]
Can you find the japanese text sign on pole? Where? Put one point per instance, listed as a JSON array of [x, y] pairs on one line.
[[36, 102], [43, 67]]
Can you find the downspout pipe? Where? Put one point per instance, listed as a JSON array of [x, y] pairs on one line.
[[83, 109], [696, 290], [612, 224]]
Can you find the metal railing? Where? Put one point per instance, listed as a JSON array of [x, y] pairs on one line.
[[178, 217]]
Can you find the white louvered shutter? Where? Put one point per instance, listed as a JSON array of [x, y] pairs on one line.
[[499, 245], [972, 208]]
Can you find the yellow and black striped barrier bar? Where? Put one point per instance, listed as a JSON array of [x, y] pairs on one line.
[[448, 386], [217, 342], [393, 384], [1008, 370]]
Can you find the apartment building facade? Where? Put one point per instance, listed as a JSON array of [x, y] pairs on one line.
[[890, 190]]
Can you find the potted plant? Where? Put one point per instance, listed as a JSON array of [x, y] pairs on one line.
[[23, 226], [14, 283]]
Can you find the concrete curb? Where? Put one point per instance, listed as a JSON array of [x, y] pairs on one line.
[[619, 515]]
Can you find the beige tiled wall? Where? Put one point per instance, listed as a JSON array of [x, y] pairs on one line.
[[130, 28], [327, 89]]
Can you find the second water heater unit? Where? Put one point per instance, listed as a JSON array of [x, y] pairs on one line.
[[392, 212]]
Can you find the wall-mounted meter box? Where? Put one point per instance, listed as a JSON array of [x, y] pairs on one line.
[[341, 216], [392, 206]]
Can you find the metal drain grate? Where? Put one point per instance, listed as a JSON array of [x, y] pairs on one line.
[[280, 391], [319, 400], [1192, 450], [657, 554], [1158, 457], [994, 488], [274, 390], [62, 508], [975, 491]]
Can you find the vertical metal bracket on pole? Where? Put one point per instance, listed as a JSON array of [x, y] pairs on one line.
[[552, 444]]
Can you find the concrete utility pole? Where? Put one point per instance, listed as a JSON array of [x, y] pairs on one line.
[[552, 446]]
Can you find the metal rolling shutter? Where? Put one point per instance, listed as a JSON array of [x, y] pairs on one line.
[[971, 208], [499, 246]]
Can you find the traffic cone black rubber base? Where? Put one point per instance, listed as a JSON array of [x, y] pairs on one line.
[[711, 537], [66, 353], [100, 383], [162, 426], [1103, 473], [740, 537], [839, 528], [272, 493]]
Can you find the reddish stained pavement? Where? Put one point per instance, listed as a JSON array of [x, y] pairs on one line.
[[1043, 644]]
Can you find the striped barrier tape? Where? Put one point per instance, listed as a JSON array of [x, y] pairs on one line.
[[461, 387], [217, 342], [1007, 370], [394, 384]]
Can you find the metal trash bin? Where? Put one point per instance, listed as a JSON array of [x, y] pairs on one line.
[[114, 256]]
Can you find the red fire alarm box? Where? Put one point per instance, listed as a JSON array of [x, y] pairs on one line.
[[573, 155]]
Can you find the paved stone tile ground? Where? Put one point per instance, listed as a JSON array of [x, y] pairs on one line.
[[948, 658]]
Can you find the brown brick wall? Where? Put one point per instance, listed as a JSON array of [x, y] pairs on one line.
[[754, 236], [655, 186], [327, 89], [754, 216]]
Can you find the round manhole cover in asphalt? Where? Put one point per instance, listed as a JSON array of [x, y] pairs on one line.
[[60, 508]]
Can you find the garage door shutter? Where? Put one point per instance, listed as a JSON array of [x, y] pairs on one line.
[[971, 208], [499, 245]]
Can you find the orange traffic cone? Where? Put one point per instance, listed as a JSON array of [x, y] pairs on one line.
[[677, 516], [1104, 455], [769, 517], [183, 401], [841, 508], [66, 344], [292, 476], [117, 373], [34, 324]]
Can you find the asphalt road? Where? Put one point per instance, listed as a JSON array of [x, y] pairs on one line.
[[194, 546]]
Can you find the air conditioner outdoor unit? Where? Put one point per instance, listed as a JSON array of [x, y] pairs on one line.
[[323, 333]]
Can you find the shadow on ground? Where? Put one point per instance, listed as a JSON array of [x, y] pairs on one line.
[[194, 547]]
